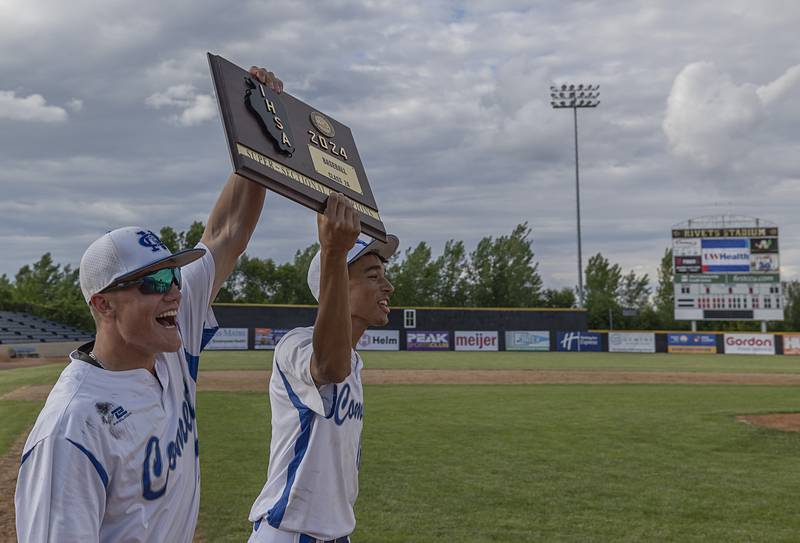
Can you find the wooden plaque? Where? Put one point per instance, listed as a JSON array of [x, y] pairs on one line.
[[290, 147]]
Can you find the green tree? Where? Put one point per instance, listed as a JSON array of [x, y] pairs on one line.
[[6, 293], [256, 280], [452, 287], [172, 239], [193, 235], [791, 312], [291, 285], [602, 285], [415, 278], [564, 297], [49, 291], [502, 272], [664, 299]]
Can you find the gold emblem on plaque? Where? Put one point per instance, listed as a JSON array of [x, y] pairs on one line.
[[322, 124]]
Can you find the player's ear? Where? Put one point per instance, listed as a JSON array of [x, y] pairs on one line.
[[102, 306]]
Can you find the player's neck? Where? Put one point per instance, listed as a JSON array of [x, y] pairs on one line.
[[358, 328], [114, 354]]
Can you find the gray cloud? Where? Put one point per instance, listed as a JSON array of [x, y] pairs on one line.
[[448, 103]]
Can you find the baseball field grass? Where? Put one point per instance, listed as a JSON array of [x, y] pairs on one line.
[[504, 463]]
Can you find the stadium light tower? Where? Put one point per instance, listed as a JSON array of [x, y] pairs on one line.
[[574, 97]]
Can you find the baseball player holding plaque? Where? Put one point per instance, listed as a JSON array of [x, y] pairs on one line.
[[113, 455], [315, 390]]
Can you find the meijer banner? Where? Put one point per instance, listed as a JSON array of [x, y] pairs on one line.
[[749, 344], [791, 343], [476, 341], [228, 339], [523, 340], [428, 341], [692, 343], [267, 338], [379, 340], [631, 342]]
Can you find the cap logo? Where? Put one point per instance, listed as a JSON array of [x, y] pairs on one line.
[[150, 240]]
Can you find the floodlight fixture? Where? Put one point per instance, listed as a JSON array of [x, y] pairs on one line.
[[586, 95]]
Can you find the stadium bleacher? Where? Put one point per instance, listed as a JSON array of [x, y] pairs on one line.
[[24, 328]]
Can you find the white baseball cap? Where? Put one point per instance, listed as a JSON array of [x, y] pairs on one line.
[[363, 246], [127, 253]]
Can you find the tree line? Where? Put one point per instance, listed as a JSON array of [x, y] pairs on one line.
[[499, 272]]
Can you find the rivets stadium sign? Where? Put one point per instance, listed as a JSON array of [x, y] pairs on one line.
[[754, 232]]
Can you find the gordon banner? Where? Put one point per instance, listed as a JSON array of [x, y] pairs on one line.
[[267, 338], [791, 344], [427, 341], [228, 339], [692, 343], [523, 340], [476, 341], [579, 341], [631, 342], [749, 344], [379, 340]]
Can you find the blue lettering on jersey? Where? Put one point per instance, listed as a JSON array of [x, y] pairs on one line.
[[153, 461], [345, 408]]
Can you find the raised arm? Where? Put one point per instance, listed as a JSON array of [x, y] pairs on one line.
[[236, 213], [339, 228]]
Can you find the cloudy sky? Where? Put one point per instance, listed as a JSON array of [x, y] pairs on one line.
[[107, 118]]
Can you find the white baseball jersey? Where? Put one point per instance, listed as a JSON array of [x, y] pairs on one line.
[[312, 480], [113, 455]]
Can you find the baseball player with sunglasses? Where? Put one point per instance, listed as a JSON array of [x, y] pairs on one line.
[[315, 391], [113, 455]]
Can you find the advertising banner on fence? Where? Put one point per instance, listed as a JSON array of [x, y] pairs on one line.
[[631, 342], [476, 341], [749, 344], [428, 341], [692, 343], [267, 338], [379, 340], [579, 341], [522, 340], [791, 344], [228, 339]]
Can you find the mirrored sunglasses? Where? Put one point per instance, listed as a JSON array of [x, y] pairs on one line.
[[158, 282]]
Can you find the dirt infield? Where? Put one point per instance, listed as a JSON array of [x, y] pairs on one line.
[[256, 380], [30, 362], [788, 422]]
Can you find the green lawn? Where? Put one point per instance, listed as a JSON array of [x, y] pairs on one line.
[[507, 463], [254, 360], [536, 463]]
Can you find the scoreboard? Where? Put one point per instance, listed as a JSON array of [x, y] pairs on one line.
[[727, 274]]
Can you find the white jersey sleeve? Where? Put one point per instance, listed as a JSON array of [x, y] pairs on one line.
[[293, 362], [195, 318], [61, 494]]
